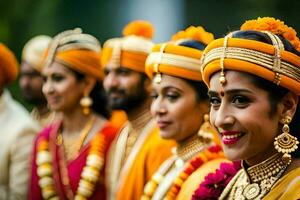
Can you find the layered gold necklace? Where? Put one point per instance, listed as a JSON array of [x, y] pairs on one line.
[[256, 181]]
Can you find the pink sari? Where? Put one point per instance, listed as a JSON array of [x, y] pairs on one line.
[[66, 174]]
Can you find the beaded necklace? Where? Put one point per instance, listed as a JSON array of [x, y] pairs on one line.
[[206, 155], [89, 175]]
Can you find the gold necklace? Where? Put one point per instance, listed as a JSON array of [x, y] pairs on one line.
[[256, 181], [181, 155], [73, 146], [89, 176]]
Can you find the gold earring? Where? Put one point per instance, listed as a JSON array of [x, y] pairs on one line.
[[286, 143], [86, 102], [205, 132]]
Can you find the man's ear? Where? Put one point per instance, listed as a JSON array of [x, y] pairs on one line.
[[290, 103]]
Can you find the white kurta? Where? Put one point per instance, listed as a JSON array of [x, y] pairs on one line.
[[17, 131]]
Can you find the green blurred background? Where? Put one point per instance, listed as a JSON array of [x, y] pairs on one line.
[[22, 19]]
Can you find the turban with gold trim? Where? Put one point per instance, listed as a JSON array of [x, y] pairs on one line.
[[8, 65], [79, 51], [175, 60], [131, 50], [34, 51], [269, 61]]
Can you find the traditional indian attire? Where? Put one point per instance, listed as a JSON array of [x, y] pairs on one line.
[[118, 118], [178, 176], [133, 156], [273, 63], [17, 133], [33, 53], [67, 174], [82, 177]]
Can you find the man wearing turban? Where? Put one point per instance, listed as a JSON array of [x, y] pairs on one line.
[[17, 132], [133, 156], [31, 81]]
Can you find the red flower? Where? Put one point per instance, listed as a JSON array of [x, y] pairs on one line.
[[214, 183]]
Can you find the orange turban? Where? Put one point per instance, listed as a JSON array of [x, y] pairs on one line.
[[8, 65], [132, 50], [269, 61], [175, 60], [80, 52]]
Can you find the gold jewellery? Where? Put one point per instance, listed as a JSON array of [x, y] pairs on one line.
[[256, 181], [285, 143], [72, 147], [89, 176], [86, 102]]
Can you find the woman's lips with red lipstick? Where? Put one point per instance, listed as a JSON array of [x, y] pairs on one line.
[[230, 137]]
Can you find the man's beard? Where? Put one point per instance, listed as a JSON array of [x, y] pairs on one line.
[[127, 102], [34, 99]]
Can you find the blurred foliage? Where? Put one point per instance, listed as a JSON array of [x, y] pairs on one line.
[[22, 19]]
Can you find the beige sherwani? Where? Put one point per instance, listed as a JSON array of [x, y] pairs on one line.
[[17, 131]]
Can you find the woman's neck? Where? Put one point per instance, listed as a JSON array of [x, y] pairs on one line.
[[190, 146], [74, 121]]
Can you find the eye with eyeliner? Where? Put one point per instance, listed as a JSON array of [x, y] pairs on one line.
[[215, 101], [57, 77], [240, 100]]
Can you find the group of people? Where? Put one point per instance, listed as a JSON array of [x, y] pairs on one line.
[[191, 118]]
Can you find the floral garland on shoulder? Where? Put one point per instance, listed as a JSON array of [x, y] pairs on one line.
[[214, 183], [89, 175], [211, 153]]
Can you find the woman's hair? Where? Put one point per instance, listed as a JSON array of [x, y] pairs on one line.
[[100, 102], [199, 86], [275, 92]]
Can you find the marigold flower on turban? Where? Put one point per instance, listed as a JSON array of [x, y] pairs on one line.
[[269, 61]]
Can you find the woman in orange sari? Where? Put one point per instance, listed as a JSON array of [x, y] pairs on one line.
[[70, 154], [179, 107], [254, 85]]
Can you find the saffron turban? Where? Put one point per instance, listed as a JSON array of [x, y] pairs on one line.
[[34, 51], [131, 50], [269, 61], [8, 65], [79, 51], [175, 60]]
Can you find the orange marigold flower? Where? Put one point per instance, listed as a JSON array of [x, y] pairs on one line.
[[196, 33], [139, 28], [274, 26]]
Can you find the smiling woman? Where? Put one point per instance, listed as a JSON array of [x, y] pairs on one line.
[[254, 84], [70, 154], [179, 106]]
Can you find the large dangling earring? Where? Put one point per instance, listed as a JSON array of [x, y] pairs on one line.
[[86, 102], [205, 132], [286, 143]]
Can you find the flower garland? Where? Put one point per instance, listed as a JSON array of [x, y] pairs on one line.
[[201, 158], [89, 175], [214, 183], [275, 26]]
